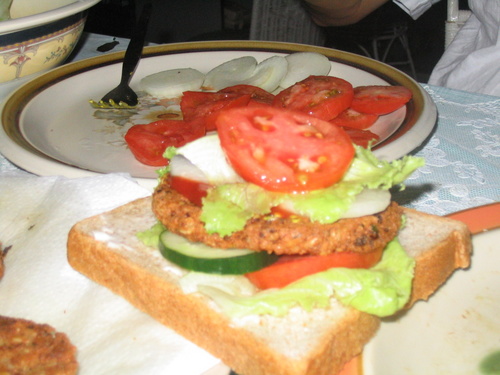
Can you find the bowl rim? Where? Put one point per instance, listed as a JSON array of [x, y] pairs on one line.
[[22, 23]]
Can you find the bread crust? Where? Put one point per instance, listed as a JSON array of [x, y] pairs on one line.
[[279, 235], [435, 265], [238, 345]]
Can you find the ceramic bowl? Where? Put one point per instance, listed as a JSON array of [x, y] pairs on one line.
[[39, 36]]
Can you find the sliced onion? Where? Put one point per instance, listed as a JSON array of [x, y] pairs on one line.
[[207, 155], [230, 73], [182, 167], [269, 73], [369, 202], [172, 83], [304, 64]]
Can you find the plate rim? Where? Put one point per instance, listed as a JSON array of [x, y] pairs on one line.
[[15, 148], [21, 23]]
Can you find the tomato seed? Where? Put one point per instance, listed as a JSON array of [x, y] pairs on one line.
[[263, 123], [259, 155], [322, 159], [302, 178]]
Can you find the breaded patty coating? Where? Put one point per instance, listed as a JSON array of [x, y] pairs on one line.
[[28, 348], [280, 235]]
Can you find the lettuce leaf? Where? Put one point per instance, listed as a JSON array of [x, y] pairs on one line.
[[227, 208], [151, 236], [382, 290], [373, 173]]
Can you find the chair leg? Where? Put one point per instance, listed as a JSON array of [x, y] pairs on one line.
[[375, 49], [403, 39], [388, 48], [406, 45], [365, 51]]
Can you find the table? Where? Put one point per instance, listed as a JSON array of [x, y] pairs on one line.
[[462, 156], [36, 213]]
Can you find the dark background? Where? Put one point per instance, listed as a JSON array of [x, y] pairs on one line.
[[190, 20]]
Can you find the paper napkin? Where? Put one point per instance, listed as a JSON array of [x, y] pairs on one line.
[[112, 337]]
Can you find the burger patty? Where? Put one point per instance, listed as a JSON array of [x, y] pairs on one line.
[[279, 235], [30, 348]]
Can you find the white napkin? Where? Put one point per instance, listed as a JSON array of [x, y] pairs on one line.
[[112, 337]]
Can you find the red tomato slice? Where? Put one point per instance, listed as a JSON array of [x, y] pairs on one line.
[[148, 142], [256, 103], [283, 150], [205, 106], [290, 268], [323, 97], [256, 93], [354, 119], [362, 137], [380, 100], [195, 191]]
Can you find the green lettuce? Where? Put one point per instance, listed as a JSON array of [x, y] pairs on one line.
[[373, 173], [151, 236], [168, 154], [227, 208], [382, 290]]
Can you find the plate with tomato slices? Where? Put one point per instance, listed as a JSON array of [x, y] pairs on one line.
[[49, 127]]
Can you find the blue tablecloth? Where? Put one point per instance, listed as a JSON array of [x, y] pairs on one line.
[[462, 156]]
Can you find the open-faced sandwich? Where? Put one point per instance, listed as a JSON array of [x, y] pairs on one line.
[[273, 244]]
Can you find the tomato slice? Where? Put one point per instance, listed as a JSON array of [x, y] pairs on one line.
[[354, 119], [204, 107], [283, 150], [380, 100], [195, 191], [362, 137], [290, 268], [149, 141], [323, 97], [256, 93]]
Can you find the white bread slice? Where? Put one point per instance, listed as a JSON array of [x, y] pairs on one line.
[[105, 249]]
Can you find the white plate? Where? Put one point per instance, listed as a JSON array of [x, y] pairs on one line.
[[458, 328], [49, 127]]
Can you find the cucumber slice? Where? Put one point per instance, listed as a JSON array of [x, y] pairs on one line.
[[202, 258]]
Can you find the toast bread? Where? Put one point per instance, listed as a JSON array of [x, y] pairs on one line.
[[320, 342]]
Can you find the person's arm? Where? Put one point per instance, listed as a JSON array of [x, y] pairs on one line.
[[340, 12]]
